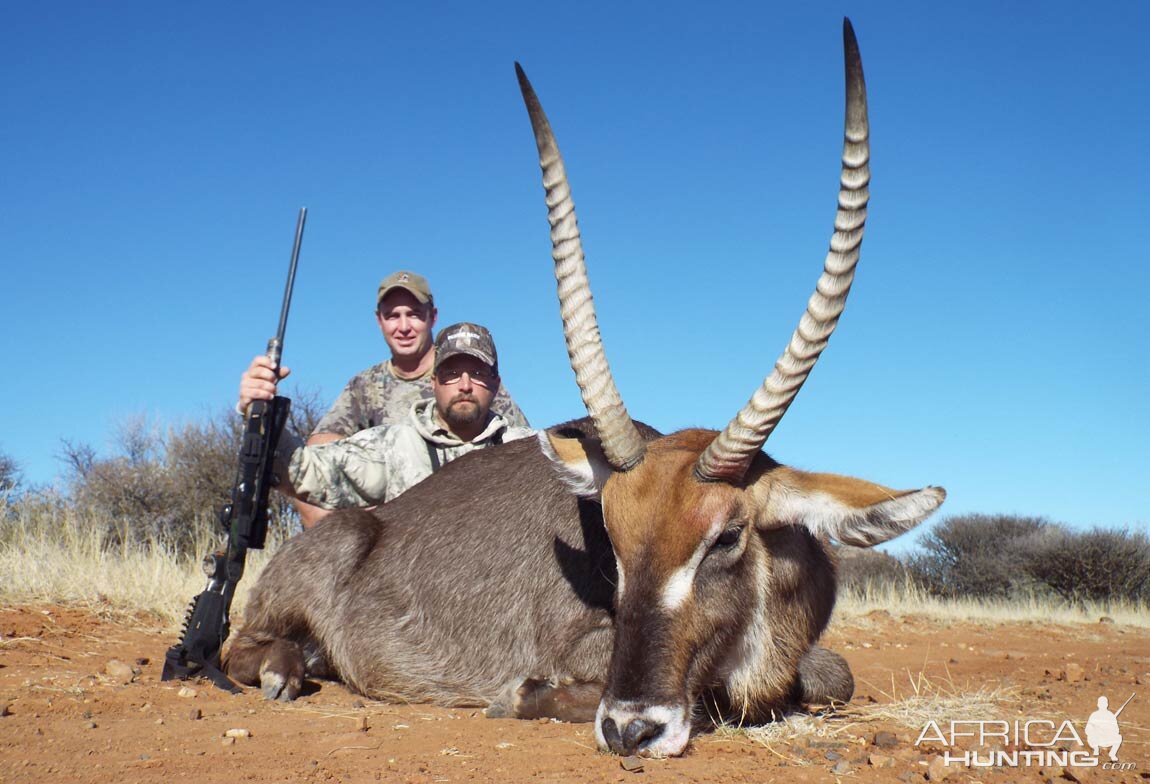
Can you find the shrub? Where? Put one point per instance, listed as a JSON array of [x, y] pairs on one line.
[[10, 475], [866, 571], [977, 555], [1099, 565], [169, 486]]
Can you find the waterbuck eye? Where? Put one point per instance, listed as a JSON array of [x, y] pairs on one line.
[[729, 538]]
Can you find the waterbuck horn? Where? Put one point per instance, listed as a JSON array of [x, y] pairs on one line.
[[622, 444], [727, 458]]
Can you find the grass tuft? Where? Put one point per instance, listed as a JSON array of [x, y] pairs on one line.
[[52, 553]]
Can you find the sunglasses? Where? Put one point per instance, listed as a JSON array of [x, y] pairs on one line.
[[484, 378]]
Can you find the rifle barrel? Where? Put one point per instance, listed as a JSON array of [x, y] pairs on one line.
[[275, 345]]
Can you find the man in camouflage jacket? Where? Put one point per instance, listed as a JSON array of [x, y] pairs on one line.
[[385, 393], [377, 464]]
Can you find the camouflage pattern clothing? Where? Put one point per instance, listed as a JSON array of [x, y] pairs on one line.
[[379, 397], [377, 464]]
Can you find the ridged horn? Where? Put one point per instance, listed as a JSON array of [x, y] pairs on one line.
[[727, 458], [622, 444]]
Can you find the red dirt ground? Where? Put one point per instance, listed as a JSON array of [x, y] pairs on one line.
[[70, 714]]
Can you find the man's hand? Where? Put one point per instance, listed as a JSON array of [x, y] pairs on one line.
[[258, 382]]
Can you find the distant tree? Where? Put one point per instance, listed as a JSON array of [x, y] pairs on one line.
[[1099, 565], [977, 555], [169, 485], [11, 475], [865, 570]]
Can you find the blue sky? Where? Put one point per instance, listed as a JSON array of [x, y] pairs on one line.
[[154, 156]]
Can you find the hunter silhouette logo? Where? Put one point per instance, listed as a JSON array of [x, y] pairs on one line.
[[985, 743], [1102, 728]]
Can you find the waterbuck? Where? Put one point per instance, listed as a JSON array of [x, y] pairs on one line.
[[601, 571]]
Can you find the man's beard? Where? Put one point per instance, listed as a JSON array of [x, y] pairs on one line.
[[456, 417]]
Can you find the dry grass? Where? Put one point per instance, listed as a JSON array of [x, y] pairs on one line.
[[49, 553], [910, 701], [915, 698], [907, 599]]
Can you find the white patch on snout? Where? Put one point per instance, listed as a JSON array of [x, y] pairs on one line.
[[674, 719], [679, 586]]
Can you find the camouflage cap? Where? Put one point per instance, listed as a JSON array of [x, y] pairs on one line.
[[466, 338], [411, 282]]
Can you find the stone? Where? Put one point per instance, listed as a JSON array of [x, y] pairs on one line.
[[841, 768], [937, 769], [238, 732], [632, 764], [1072, 672], [195, 714], [119, 671], [186, 693], [884, 740], [361, 724], [880, 761], [1081, 775]]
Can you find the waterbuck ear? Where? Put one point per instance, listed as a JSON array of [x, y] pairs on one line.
[[580, 463], [853, 511]]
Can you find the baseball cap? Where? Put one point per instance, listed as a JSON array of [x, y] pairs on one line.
[[411, 282], [466, 338]]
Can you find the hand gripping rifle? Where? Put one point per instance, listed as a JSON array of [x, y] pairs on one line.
[[245, 520]]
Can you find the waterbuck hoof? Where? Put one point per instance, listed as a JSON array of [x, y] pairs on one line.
[[276, 687], [282, 671], [497, 710]]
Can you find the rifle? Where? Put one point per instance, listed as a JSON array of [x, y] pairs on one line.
[[245, 520]]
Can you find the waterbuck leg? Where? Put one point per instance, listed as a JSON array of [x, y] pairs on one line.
[[274, 663], [824, 678], [565, 699]]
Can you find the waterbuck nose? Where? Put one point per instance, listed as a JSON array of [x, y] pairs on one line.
[[634, 734]]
